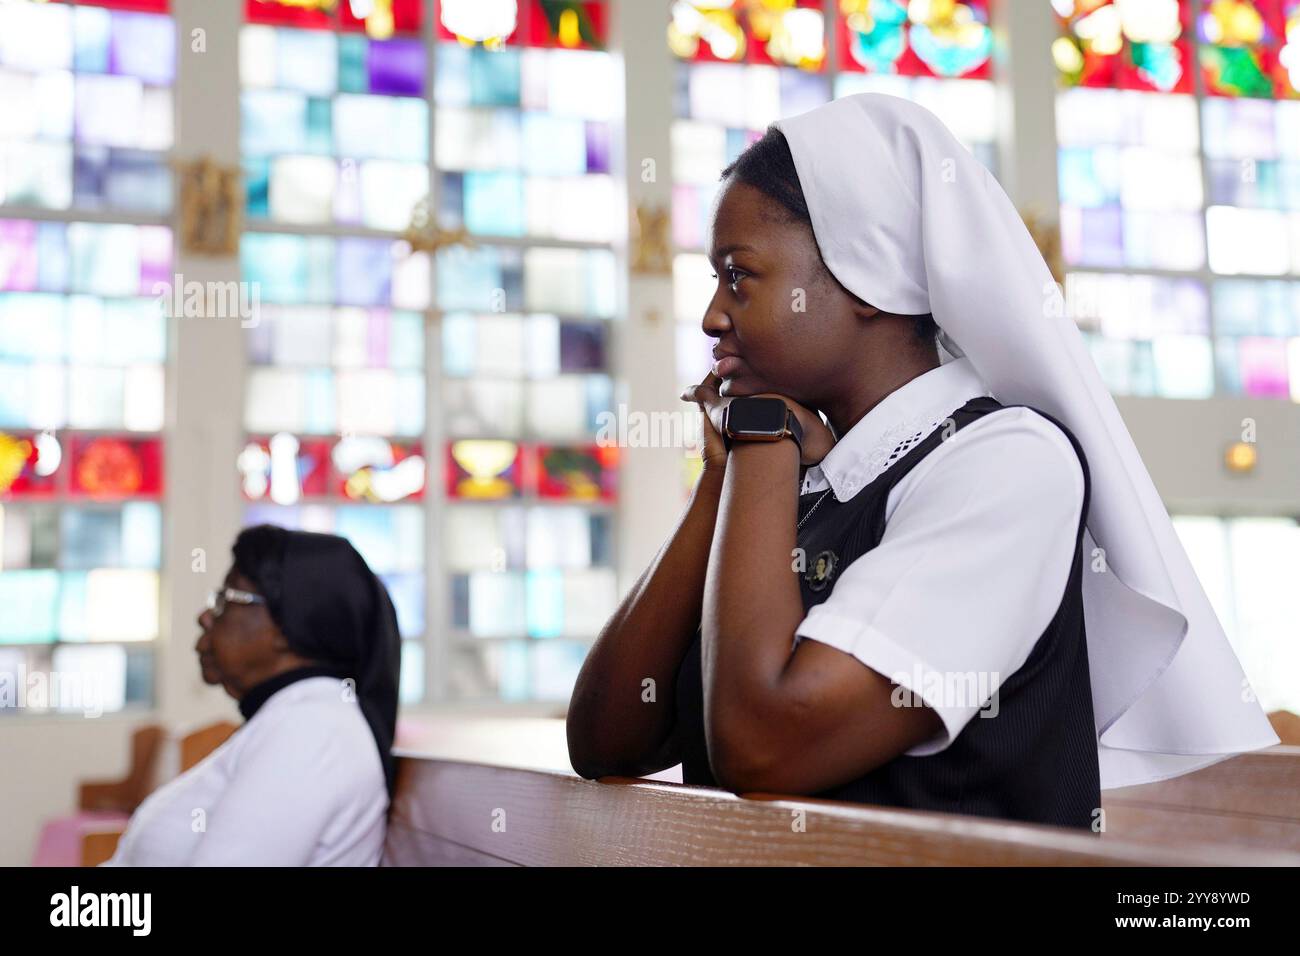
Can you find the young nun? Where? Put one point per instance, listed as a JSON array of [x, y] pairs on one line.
[[989, 612], [303, 634]]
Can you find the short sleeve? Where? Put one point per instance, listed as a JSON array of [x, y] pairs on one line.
[[972, 566]]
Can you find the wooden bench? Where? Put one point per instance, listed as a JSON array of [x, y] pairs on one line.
[[99, 838], [1251, 800], [478, 793], [450, 813]]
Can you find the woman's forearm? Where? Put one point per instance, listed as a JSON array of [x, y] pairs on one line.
[[620, 718]]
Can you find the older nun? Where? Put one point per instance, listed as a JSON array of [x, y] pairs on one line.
[[304, 636]]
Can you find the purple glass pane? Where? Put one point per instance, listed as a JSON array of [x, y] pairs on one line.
[[582, 347], [137, 180], [688, 223], [17, 255], [155, 257], [597, 147], [347, 194], [377, 329], [260, 341], [1263, 368], [397, 67], [364, 271], [89, 168], [143, 45], [1102, 232]]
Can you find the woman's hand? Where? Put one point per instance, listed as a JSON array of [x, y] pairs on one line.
[[817, 438], [711, 404]]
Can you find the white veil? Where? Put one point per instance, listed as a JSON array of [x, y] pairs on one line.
[[909, 221]]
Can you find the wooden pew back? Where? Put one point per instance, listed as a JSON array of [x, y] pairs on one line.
[[449, 812], [1252, 799]]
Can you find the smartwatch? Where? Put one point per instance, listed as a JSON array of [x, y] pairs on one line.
[[752, 418]]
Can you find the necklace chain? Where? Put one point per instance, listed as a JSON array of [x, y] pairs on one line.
[[813, 508]]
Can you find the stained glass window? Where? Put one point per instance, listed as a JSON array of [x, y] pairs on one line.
[[335, 125], [82, 358], [1179, 151], [368, 356], [86, 126], [334, 137], [744, 64], [526, 97], [1244, 564], [87, 118]]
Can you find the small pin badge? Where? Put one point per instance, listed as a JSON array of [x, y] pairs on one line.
[[820, 572]]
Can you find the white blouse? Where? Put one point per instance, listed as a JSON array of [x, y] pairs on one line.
[[977, 548], [299, 784]]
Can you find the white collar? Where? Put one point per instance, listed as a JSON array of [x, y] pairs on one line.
[[900, 420]]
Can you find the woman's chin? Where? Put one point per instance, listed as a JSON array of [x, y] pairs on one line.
[[743, 384], [734, 386]]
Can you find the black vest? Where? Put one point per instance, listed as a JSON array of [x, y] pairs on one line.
[[1036, 761]]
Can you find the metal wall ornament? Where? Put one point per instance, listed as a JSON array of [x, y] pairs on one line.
[[1046, 233], [211, 207], [423, 234], [651, 248]]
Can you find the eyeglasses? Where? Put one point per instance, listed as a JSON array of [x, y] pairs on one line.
[[218, 599]]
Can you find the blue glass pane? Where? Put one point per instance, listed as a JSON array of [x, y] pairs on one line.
[[364, 271], [407, 592], [554, 145], [273, 121], [305, 61], [353, 76], [467, 278], [30, 600], [493, 76], [257, 186], [459, 344], [91, 538], [91, 27], [494, 203], [545, 597]]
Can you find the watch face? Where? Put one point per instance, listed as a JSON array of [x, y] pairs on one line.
[[756, 416]]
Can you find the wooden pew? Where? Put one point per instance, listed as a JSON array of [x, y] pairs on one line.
[[452, 813], [99, 841], [1252, 800], [126, 794], [451, 766], [197, 745]]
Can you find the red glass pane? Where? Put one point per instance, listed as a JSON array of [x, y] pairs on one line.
[[1151, 63], [484, 469], [29, 465], [143, 6], [114, 467], [279, 14], [310, 462], [1240, 48], [575, 24], [397, 475], [408, 16], [582, 472], [753, 31], [954, 43]]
